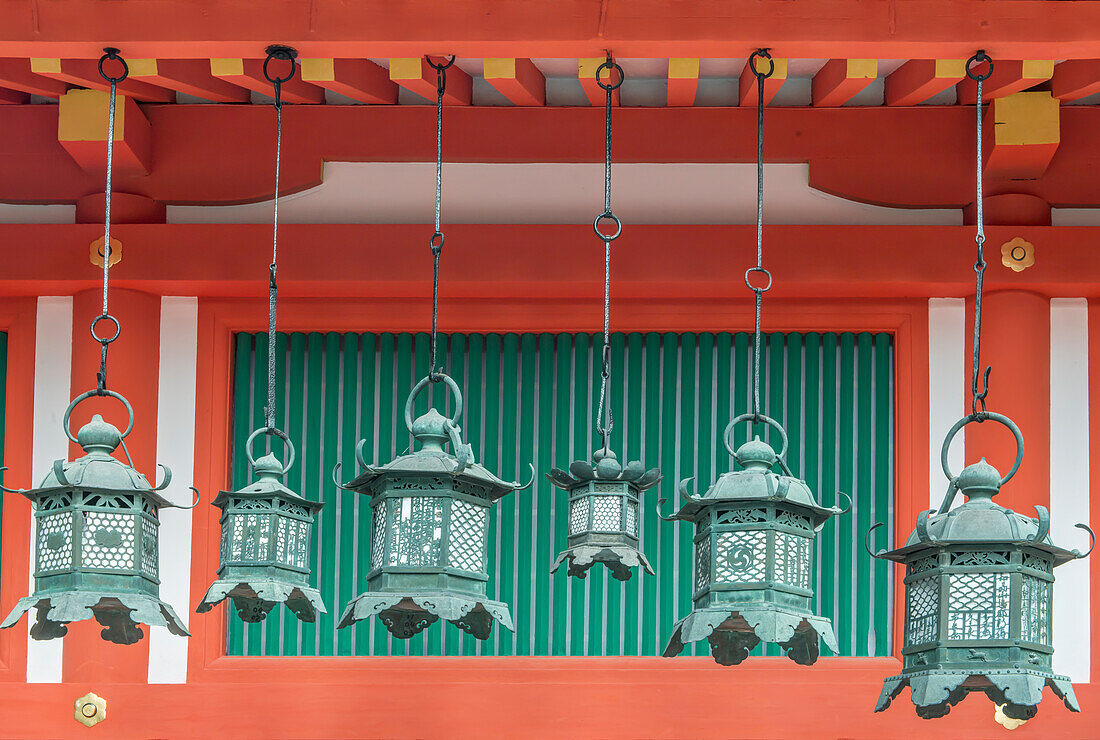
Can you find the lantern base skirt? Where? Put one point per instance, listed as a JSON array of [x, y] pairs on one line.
[[1020, 690], [732, 633], [407, 614], [119, 613], [255, 599], [619, 559]]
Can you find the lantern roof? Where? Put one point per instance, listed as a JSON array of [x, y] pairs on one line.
[[98, 468], [432, 431], [981, 521], [269, 471], [756, 482], [605, 467]]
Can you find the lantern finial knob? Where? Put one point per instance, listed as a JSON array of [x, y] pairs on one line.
[[430, 430], [268, 466], [98, 434], [755, 455], [979, 480]]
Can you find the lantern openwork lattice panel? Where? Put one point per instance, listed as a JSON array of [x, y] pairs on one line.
[[265, 545], [604, 501], [754, 534], [979, 581], [96, 541], [429, 531]]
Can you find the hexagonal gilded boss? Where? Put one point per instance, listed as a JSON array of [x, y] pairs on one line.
[[90, 710]]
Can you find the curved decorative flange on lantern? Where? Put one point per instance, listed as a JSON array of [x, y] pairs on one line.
[[753, 557], [604, 499], [265, 554], [732, 634], [96, 534], [994, 569], [429, 533]]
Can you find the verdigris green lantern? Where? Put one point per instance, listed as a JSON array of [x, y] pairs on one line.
[[754, 535], [96, 544], [265, 546], [979, 598], [430, 519], [603, 514]]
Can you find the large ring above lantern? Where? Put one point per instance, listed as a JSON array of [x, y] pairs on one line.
[[979, 597], [430, 530], [754, 534]]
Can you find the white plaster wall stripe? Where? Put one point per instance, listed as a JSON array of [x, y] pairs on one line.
[[946, 388], [53, 354], [1069, 481], [176, 449]]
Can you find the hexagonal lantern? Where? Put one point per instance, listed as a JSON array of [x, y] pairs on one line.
[[978, 598], [266, 531], [430, 531], [96, 525], [603, 514], [754, 535]]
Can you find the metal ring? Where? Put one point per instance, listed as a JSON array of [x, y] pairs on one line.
[[762, 54], [422, 384], [610, 65], [979, 57], [609, 217], [283, 53], [101, 317], [751, 270], [275, 432], [440, 67], [1023, 253], [92, 394], [436, 248], [1000, 418], [727, 438], [112, 54]]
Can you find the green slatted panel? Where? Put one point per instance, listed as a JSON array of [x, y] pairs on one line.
[[530, 398]]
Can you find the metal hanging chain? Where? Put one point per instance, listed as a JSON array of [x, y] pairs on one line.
[[286, 54], [436, 242], [110, 54], [605, 421], [758, 291], [979, 266]]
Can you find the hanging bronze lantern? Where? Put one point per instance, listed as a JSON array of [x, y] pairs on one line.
[[96, 538], [603, 514], [266, 531], [979, 597], [430, 531], [754, 535]]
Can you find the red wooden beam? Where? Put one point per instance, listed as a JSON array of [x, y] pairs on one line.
[[16, 74], [809, 29], [747, 84], [358, 79], [586, 73], [249, 73], [85, 73], [13, 97], [1024, 136], [840, 80], [1076, 79], [190, 76], [1009, 76], [683, 81], [417, 76], [919, 79], [82, 132], [519, 80]]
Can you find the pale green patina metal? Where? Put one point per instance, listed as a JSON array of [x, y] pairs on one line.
[[979, 597], [603, 514], [265, 546], [96, 540], [429, 531], [754, 533]]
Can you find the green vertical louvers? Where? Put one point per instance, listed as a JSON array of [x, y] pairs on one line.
[[530, 399]]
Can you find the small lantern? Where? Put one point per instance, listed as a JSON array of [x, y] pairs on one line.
[[429, 531], [96, 522], [603, 514], [266, 530], [978, 598], [754, 535]]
